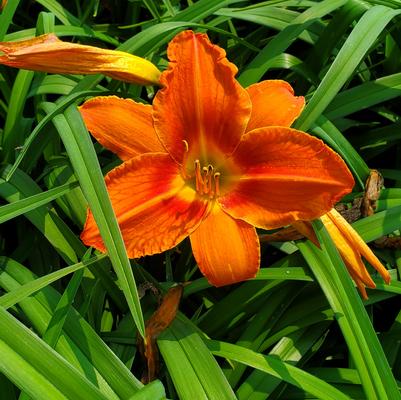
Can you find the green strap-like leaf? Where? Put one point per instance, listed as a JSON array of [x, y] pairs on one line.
[[351, 54], [17, 295], [83, 158], [23, 206], [194, 370], [6, 16], [36, 368], [273, 366], [79, 343], [260, 64], [367, 353], [154, 390]]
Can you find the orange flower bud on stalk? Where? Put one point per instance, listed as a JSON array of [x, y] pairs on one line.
[[351, 247], [47, 53]]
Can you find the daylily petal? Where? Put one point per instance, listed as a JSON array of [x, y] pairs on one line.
[[121, 125], [200, 102], [153, 206], [285, 175], [273, 104], [49, 54], [226, 250], [352, 236]]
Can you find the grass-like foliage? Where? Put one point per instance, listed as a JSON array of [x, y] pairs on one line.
[[71, 317]]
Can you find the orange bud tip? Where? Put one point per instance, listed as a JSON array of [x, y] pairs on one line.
[[386, 277]]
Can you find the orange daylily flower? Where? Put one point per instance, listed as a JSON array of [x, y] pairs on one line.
[[3, 4], [212, 161], [47, 53], [351, 247]]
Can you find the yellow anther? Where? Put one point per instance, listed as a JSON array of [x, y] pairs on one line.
[[198, 177], [217, 183], [185, 159]]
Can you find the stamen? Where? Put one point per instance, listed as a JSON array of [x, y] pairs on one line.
[[209, 179], [205, 180], [198, 177], [185, 159], [217, 183]]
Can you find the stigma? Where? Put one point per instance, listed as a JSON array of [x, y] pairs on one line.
[[207, 180]]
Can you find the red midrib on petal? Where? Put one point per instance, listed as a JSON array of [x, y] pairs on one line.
[[288, 178], [151, 202], [198, 102]]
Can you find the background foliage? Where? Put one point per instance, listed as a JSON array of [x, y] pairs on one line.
[[69, 318]]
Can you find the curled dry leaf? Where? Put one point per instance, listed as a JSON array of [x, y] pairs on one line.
[[373, 187], [156, 324], [388, 242], [283, 235]]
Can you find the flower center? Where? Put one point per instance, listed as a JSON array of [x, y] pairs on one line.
[[207, 180]]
